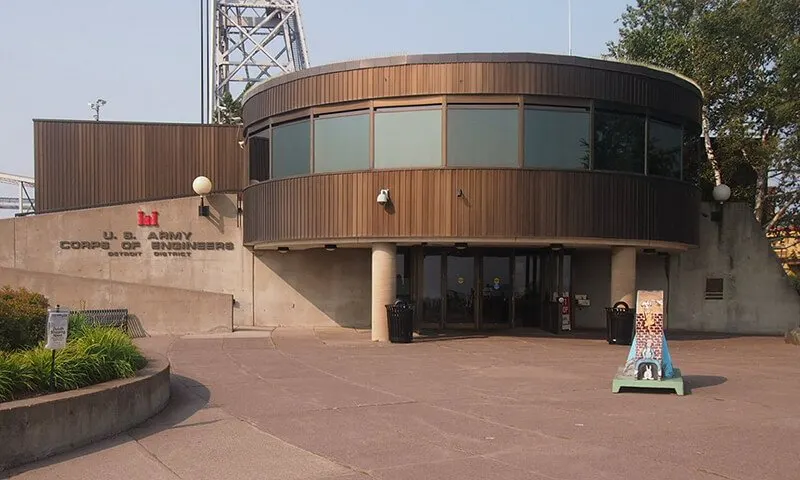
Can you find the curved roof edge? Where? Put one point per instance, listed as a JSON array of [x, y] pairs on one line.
[[619, 65]]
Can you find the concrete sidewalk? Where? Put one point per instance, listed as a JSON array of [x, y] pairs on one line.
[[328, 403]]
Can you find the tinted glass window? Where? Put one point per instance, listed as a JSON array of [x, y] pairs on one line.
[[619, 142], [341, 142], [408, 138], [482, 136], [693, 149], [259, 156], [664, 149], [291, 149], [557, 138]]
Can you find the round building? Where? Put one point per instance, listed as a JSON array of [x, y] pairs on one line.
[[489, 190]]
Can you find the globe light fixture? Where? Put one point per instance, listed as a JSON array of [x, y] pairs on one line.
[[202, 186], [721, 194]]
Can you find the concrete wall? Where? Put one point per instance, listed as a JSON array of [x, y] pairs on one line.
[[33, 244], [313, 287], [40, 427], [758, 297], [303, 287], [159, 309], [591, 272]]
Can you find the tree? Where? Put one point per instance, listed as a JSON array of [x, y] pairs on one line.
[[229, 111], [744, 54]]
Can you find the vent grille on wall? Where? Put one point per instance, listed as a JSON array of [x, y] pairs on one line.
[[714, 288]]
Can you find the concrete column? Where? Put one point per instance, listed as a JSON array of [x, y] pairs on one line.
[[384, 269], [623, 276]]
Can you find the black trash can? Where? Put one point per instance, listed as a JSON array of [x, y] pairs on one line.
[[401, 322], [619, 324]]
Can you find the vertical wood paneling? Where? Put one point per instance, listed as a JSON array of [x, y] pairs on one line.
[[91, 164], [608, 81], [499, 203]]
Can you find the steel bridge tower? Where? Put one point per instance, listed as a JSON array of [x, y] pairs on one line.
[[249, 41]]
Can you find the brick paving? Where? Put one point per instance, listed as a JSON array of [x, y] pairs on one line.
[[328, 403]]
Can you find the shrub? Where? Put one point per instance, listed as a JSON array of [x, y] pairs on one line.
[[13, 376], [95, 354], [77, 324], [23, 317], [795, 280]]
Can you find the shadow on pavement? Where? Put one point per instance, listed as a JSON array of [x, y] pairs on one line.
[[183, 403], [690, 382]]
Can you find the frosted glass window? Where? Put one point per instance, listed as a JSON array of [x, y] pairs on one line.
[[486, 137], [341, 142], [291, 149], [408, 138]]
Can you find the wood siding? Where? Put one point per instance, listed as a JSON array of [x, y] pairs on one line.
[[92, 164], [497, 203], [488, 74]]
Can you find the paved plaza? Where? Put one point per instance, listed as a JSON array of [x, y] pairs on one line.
[[328, 403]]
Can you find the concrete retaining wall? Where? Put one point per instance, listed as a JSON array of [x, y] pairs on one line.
[[40, 427], [160, 310], [758, 298]]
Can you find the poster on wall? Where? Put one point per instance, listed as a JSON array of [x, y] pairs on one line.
[[566, 316]]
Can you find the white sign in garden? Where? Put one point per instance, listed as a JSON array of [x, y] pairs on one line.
[[57, 327]]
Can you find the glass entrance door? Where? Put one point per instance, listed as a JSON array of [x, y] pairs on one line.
[[496, 292], [460, 284], [486, 288], [431, 300], [528, 291]]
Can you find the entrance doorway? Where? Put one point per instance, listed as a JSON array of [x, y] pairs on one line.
[[487, 288]]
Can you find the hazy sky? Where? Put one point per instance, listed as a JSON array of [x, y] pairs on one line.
[[142, 56]]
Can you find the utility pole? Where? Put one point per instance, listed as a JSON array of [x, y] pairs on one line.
[[569, 24]]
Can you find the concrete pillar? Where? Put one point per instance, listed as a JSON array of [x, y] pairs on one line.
[[384, 269], [623, 276]]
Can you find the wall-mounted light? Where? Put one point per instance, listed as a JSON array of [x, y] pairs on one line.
[[283, 249], [721, 194], [202, 186], [330, 247], [459, 193], [461, 245], [649, 251], [556, 247], [383, 197]]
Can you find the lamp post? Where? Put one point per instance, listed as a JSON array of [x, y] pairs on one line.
[[202, 186], [96, 107]]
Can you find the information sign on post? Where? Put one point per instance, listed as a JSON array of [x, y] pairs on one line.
[[57, 329]]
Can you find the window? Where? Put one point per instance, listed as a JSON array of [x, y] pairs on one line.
[[407, 137], [664, 143], [556, 138], [619, 142], [693, 149], [259, 156], [482, 136], [291, 149], [341, 142]]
